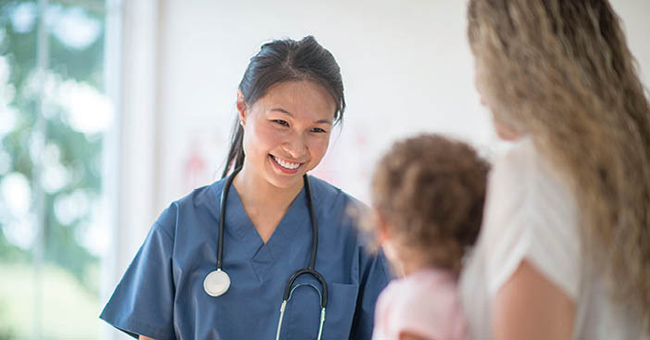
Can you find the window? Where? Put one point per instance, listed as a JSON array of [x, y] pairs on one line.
[[53, 214]]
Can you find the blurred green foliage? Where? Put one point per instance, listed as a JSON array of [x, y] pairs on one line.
[[79, 152]]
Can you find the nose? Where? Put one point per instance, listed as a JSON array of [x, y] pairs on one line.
[[296, 146]]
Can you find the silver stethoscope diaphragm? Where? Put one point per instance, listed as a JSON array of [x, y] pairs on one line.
[[216, 283]]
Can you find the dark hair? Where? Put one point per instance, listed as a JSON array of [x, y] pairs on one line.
[[280, 61], [430, 190]]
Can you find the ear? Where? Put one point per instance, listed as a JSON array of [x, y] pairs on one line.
[[383, 233], [241, 107]]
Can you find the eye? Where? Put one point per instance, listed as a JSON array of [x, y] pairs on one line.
[[281, 122], [318, 130]]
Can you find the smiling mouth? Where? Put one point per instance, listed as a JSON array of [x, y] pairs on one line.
[[286, 165]]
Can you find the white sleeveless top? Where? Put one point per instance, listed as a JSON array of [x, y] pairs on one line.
[[531, 214]]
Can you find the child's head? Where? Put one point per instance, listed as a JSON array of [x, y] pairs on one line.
[[428, 193]]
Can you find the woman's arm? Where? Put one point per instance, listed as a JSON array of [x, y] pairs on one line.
[[142, 337], [528, 306]]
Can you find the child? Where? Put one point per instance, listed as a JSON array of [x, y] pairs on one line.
[[428, 195]]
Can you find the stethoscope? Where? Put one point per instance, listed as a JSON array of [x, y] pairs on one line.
[[217, 282]]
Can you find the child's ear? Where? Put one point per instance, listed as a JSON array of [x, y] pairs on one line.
[[383, 233]]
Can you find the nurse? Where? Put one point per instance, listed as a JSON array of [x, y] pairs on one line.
[[274, 219]]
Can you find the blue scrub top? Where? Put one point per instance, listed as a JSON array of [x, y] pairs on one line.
[[161, 294]]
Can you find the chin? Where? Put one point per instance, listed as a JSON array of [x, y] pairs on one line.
[[285, 182]]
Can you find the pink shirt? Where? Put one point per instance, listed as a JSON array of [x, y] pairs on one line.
[[425, 303]]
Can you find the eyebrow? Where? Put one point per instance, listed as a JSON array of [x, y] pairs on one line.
[[321, 121]]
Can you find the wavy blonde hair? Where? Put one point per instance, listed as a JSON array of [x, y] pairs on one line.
[[561, 72]]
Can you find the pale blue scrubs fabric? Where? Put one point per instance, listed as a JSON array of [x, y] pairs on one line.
[[161, 294]]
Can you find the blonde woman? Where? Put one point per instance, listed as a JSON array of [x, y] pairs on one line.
[[564, 251]]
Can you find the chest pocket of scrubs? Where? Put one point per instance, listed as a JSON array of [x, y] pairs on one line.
[[302, 315]]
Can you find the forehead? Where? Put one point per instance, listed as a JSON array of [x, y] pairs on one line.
[[300, 98]]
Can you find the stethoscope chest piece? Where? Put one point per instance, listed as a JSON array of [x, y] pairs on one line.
[[216, 283]]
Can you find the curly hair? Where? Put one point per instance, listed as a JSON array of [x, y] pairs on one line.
[[561, 72], [430, 190]]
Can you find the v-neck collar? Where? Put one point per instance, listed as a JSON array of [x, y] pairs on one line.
[[239, 225]]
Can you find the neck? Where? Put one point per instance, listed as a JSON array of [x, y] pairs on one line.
[[410, 268], [405, 265], [256, 192]]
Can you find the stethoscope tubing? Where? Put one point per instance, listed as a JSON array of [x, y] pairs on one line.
[[310, 270], [222, 217], [314, 227]]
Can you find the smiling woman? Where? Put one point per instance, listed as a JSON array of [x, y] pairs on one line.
[[284, 245]]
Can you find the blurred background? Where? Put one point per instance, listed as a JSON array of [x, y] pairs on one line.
[[111, 109]]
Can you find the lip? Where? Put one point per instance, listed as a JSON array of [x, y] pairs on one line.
[[283, 169]]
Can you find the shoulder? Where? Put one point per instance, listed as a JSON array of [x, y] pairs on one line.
[[514, 165], [342, 213], [433, 289], [530, 213], [325, 190], [522, 170], [525, 189], [202, 201], [525, 180], [426, 303], [431, 292], [331, 199]]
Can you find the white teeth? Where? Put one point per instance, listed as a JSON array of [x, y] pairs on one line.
[[287, 165]]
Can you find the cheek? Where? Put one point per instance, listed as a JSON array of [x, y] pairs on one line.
[[481, 94], [318, 147], [261, 138], [482, 100], [506, 132]]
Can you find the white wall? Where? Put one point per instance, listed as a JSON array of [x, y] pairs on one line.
[[636, 22], [406, 67]]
